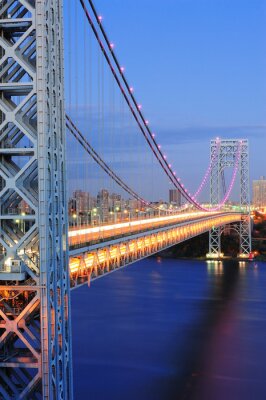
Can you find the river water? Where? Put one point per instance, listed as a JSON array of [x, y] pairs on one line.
[[166, 329]]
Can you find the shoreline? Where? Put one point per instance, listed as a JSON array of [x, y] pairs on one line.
[[204, 258]]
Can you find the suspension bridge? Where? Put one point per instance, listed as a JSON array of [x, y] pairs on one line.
[[83, 182]]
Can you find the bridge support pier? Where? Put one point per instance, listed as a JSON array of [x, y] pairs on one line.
[[225, 153], [215, 243]]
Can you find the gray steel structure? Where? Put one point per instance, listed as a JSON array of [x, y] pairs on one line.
[[35, 329], [224, 154]]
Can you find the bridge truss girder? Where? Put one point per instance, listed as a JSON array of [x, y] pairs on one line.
[[35, 343], [223, 154]]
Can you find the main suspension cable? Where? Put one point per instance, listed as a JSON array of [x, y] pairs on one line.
[[149, 136]]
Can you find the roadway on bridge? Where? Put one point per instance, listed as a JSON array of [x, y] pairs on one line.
[[88, 234]]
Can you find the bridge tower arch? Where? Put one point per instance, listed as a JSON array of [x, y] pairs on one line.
[[226, 153], [35, 328]]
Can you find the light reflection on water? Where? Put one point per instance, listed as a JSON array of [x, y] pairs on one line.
[[172, 329], [214, 267]]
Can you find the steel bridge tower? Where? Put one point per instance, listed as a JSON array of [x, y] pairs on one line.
[[224, 154], [35, 329]]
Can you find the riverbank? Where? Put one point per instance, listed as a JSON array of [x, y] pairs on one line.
[[165, 254]]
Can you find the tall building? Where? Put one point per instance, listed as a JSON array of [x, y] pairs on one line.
[[175, 197], [103, 204], [72, 206], [259, 192], [82, 202], [133, 204], [24, 208], [115, 201]]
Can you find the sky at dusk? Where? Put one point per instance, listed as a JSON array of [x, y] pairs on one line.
[[198, 68]]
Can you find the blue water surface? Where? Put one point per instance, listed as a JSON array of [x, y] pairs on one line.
[[172, 329]]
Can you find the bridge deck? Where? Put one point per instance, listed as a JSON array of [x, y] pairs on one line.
[[94, 255], [97, 234]]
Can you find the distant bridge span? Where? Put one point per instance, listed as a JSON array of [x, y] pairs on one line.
[[95, 251]]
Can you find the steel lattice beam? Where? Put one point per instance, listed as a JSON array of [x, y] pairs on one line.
[[35, 343]]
